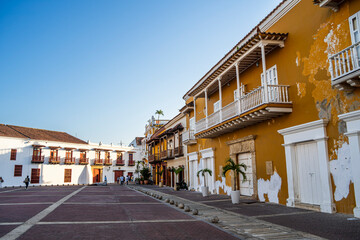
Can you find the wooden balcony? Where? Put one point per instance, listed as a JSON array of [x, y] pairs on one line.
[[108, 162], [84, 161], [188, 137], [131, 163], [170, 153], [70, 160], [37, 159], [256, 106], [344, 68], [163, 155], [154, 157], [98, 161], [178, 151], [120, 162], [54, 160]]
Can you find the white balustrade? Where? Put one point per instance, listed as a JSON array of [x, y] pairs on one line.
[[230, 110], [213, 119], [255, 98], [345, 61], [188, 135]]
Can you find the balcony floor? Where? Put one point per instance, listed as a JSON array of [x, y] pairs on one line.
[[254, 116]]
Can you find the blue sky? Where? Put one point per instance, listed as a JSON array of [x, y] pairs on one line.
[[100, 69]]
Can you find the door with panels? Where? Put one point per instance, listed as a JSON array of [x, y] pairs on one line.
[[247, 186], [308, 185]]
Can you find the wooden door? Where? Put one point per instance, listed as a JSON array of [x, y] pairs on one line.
[[247, 186], [308, 172], [35, 175], [96, 175]]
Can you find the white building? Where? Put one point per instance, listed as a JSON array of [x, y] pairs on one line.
[[51, 158]]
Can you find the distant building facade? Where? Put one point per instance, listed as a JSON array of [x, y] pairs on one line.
[[51, 158]]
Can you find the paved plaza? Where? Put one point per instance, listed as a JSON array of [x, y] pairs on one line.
[[95, 212], [144, 212]]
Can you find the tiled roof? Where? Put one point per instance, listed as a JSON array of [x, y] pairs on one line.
[[38, 134], [9, 132], [138, 140]]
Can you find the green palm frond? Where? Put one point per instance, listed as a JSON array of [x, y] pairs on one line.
[[203, 171]]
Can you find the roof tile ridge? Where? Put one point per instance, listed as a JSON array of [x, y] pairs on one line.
[[11, 127]]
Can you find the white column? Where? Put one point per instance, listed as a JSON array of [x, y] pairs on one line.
[[262, 46], [327, 197], [352, 120], [290, 154], [220, 98], [354, 144], [194, 113], [238, 84], [206, 108]]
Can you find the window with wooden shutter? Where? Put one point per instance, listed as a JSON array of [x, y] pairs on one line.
[[18, 171], [13, 154], [35, 175], [130, 156], [67, 175]]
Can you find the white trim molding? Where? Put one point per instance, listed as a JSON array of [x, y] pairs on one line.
[[193, 156], [208, 156], [352, 120], [309, 132]]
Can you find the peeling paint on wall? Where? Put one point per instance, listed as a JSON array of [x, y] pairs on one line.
[[301, 89], [222, 185], [330, 38], [298, 59], [271, 188], [341, 172]]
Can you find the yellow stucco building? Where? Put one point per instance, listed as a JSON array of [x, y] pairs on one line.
[[284, 101]]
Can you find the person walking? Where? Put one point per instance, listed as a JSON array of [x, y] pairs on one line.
[[127, 180], [105, 181], [1, 181], [122, 180], [118, 180], [27, 181]]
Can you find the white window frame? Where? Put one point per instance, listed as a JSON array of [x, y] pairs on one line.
[[268, 71], [352, 32]]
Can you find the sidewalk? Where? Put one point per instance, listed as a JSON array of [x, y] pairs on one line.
[[291, 222]]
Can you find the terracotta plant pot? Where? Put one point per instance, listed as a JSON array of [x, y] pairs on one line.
[[141, 182], [146, 182]]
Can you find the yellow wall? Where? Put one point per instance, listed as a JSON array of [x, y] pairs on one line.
[[302, 64]]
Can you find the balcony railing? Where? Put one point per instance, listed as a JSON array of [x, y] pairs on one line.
[[69, 160], [54, 160], [188, 135], [120, 162], [37, 159], [170, 153], [108, 162], [178, 151], [84, 161], [98, 161], [252, 100], [154, 157], [163, 154], [131, 163], [345, 64]]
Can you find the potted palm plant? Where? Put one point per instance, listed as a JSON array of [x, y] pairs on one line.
[[145, 173], [204, 189], [236, 168], [159, 173], [177, 171]]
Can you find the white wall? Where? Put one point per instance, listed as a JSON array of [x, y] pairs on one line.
[[53, 174]]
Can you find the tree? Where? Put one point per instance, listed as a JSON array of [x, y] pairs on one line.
[[145, 173], [202, 172], [159, 112], [236, 168]]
